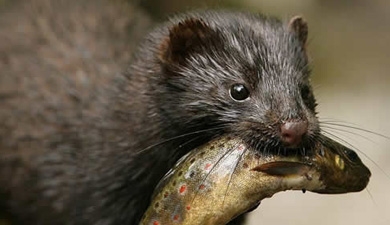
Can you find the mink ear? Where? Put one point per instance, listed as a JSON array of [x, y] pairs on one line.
[[184, 38], [299, 26]]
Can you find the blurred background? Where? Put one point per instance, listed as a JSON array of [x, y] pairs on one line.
[[349, 42]]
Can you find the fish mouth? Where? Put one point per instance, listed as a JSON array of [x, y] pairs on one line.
[[283, 168], [356, 185], [287, 161]]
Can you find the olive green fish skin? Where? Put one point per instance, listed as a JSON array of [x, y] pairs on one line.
[[217, 182], [340, 168]]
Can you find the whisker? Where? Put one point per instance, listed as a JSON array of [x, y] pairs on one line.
[[337, 121], [303, 151], [363, 153], [266, 151], [234, 170], [184, 144], [177, 137], [340, 139], [372, 198], [356, 128], [345, 142], [347, 131], [211, 170]]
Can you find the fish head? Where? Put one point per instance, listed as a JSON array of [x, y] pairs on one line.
[[341, 170], [336, 168]]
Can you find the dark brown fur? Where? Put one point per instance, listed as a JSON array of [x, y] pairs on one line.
[[83, 143], [56, 60]]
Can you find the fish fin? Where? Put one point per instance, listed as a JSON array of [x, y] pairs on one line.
[[283, 168]]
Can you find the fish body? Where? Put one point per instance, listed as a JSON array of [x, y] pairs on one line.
[[215, 183]]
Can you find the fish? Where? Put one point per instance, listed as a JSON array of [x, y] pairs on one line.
[[224, 178]]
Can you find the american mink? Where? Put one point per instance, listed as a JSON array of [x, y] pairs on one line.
[[84, 143]]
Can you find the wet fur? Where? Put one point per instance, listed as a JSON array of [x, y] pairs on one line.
[[83, 143]]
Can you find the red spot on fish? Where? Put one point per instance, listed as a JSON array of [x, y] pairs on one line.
[[202, 186], [207, 166], [156, 223], [188, 207], [241, 147], [166, 194], [182, 189], [176, 217]]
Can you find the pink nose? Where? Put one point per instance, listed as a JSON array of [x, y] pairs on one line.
[[292, 132]]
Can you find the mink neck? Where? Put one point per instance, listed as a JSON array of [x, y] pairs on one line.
[[134, 154]]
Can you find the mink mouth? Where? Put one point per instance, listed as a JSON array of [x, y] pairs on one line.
[[304, 150], [296, 151], [269, 142]]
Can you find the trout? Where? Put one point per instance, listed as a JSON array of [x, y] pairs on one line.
[[224, 178]]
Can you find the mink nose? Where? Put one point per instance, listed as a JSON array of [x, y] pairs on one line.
[[292, 132]]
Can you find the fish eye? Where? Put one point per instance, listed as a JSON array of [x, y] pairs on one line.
[[339, 162], [351, 155], [239, 92]]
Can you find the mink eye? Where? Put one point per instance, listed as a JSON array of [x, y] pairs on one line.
[[239, 92]]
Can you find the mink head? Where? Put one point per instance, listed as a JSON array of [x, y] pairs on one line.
[[237, 73]]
